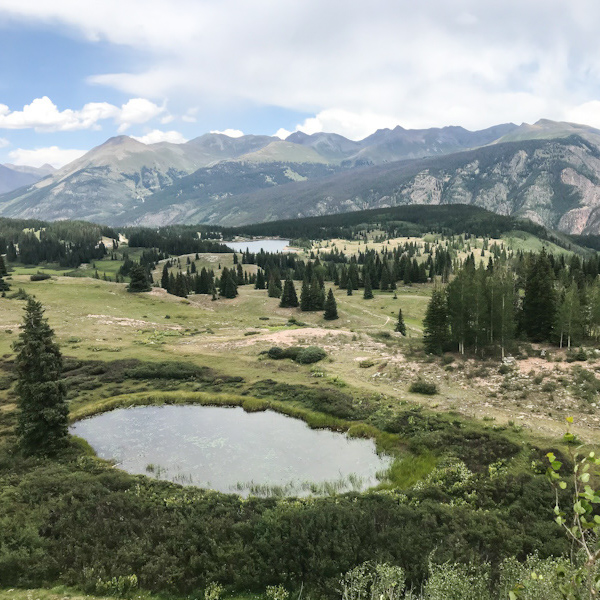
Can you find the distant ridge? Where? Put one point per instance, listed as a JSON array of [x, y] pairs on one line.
[[548, 172]]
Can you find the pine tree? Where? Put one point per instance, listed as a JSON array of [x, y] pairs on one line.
[[274, 286], [289, 298], [164, 280], [400, 326], [3, 269], [436, 332], [368, 293], [42, 425], [228, 284], [138, 280], [330, 307], [539, 300], [349, 287]]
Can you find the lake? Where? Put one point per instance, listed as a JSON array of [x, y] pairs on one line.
[[255, 245], [233, 451]]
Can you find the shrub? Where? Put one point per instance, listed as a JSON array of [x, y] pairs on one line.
[[365, 364], [310, 355], [39, 277], [276, 353], [423, 387]]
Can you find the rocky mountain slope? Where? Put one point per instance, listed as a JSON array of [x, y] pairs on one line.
[[117, 177], [553, 182], [548, 172]]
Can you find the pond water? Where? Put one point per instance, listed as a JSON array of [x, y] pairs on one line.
[[255, 245], [230, 450]]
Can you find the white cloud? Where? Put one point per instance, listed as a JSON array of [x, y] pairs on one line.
[[43, 115], [137, 110], [234, 133], [354, 66], [587, 113], [4, 142], [53, 155], [156, 136], [282, 133]]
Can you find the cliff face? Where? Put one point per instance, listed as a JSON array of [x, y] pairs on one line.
[[555, 183]]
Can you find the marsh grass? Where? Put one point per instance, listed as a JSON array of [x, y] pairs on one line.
[[406, 471]]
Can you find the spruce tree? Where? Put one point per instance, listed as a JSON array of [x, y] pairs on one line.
[[229, 286], [289, 298], [3, 269], [330, 307], [539, 301], [400, 326], [349, 287], [138, 279], [164, 280], [42, 422], [274, 287], [435, 325], [368, 293]]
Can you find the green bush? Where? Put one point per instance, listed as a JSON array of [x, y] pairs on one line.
[[423, 387], [39, 277], [310, 355], [304, 356]]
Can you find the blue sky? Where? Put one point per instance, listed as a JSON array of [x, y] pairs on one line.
[[75, 72]]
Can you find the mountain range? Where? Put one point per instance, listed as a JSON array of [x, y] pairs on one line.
[[548, 172]]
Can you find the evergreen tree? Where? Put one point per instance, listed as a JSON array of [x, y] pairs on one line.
[[228, 284], [539, 301], [164, 280], [317, 294], [368, 293], [3, 269], [400, 326], [4, 287], [349, 287], [330, 307], [138, 279], [274, 287], [436, 332], [289, 298], [260, 280], [305, 295], [42, 426]]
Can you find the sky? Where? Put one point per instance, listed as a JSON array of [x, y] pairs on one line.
[[75, 72]]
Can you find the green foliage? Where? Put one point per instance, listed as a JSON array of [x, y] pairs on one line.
[[309, 355], [436, 332], [423, 387], [304, 356], [289, 299], [43, 413], [39, 277], [138, 279], [400, 326], [330, 307], [458, 582]]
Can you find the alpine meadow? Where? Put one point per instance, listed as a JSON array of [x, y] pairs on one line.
[[299, 301]]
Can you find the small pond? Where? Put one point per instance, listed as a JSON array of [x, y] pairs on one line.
[[230, 450], [255, 245]]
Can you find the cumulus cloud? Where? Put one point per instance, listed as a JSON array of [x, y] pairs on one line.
[[428, 64], [234, 133], [43, 115], [587, 113], [53, 155], [4, 142], [156, 136]]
